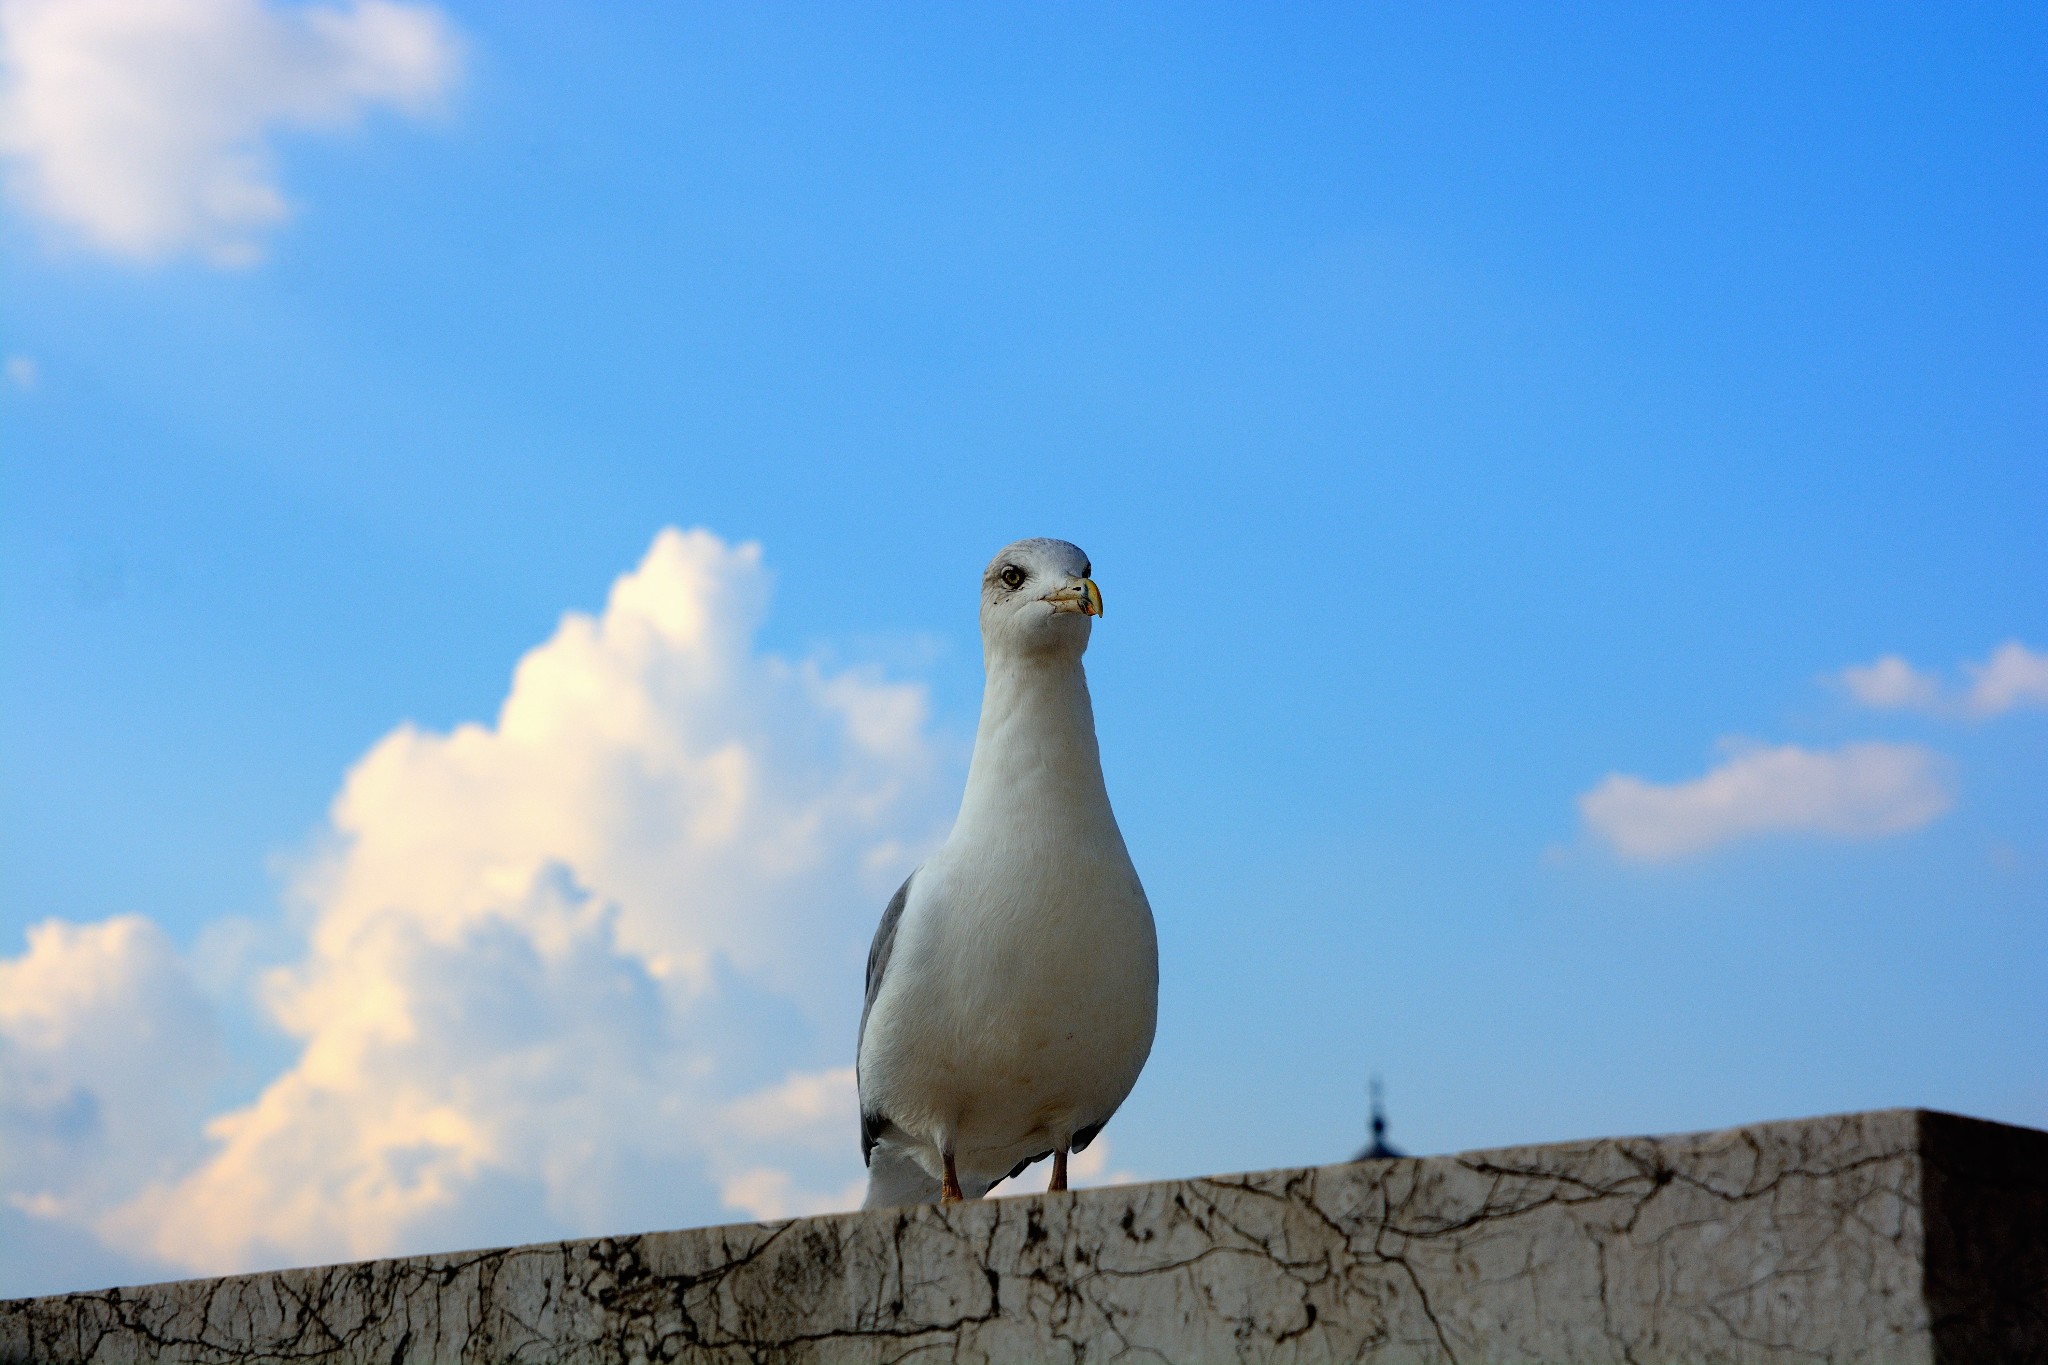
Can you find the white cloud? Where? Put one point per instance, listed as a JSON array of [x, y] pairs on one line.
[[23, 372], [2012, 676], [143, 126], [1858, 791], [1891, 684], [107, 1053], [813, 1110], [585, 968]]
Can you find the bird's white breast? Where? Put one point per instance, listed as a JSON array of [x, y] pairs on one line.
[[1020, 1000], [1010, 1025]]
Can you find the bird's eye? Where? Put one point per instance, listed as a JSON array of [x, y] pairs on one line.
[[1012, 576]]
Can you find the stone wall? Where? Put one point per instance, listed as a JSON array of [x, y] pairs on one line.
[[1892, 1236]]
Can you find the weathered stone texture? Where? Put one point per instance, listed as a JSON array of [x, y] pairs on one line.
[[1891, 1236]]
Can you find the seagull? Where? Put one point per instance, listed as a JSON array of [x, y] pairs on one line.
[[1013, 985]]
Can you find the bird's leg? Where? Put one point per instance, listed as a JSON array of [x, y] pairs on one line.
[[1059, 1171], [949, 1188]]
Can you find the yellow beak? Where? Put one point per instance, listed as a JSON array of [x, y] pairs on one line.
[[1081, 596]]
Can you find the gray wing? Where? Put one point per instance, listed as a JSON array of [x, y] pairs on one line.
[[871, 1125]]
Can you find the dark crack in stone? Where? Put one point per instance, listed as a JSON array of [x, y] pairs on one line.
[[1892, 1236]]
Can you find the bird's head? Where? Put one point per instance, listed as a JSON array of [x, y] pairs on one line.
[[1038, 600]]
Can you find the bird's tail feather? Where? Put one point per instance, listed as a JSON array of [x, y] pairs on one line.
[[895, 1178]]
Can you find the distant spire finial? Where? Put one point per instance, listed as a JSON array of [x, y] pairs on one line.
[[1379, 1150]]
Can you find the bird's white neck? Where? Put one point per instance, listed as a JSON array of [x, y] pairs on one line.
[[1034, 750]]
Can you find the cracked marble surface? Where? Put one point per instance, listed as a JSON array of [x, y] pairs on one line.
[[1799, 1241]]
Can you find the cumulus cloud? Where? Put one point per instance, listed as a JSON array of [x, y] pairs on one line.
[[584, 968], [2012, 676], [143, 127], [1859, 791], [108, 1052]]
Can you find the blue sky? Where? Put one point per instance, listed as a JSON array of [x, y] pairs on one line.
[[1460, 408]]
